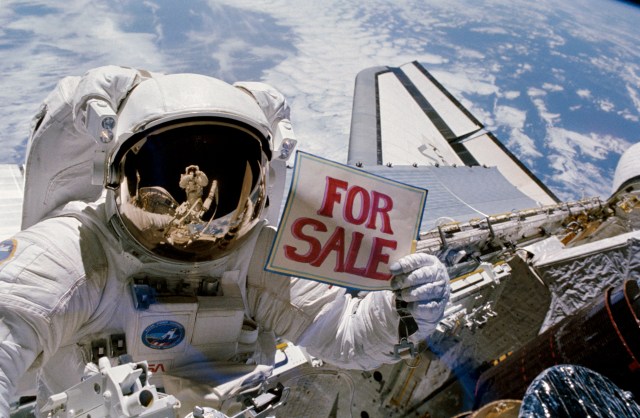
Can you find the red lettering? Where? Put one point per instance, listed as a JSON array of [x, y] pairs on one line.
[[318, 253], [332, 196], [354, 192], [156, 368], [334, 243], [352, 255], [377, 256], [372, 205], [382, 204], [314, 244]]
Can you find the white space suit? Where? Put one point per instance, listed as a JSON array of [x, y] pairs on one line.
[[147, 267]]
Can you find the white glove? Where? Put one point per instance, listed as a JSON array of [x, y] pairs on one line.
[[422, 281]]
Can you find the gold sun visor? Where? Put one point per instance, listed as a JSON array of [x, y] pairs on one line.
[[189, 192]]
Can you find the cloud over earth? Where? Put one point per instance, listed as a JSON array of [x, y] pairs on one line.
[[556, 82]]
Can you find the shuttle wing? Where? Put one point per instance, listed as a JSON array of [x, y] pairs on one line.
[[404, 116]]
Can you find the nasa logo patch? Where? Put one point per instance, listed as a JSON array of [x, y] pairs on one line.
[[163, 335], [7, 249]]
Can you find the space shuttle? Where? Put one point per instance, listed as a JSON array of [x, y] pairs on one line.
[[535, 281]]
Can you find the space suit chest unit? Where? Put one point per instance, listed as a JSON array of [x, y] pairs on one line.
[[182, 321]]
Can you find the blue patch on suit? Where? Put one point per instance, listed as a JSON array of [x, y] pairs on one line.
[[163, 335], [7, 249]]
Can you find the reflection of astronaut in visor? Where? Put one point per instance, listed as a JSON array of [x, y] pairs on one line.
[[205, 177], [193, 181]]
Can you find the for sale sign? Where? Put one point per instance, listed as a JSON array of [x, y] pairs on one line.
[[344, 226]]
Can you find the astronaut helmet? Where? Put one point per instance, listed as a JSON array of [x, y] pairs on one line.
[[187, 176]]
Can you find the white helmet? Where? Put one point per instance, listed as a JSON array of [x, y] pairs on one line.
[[187, 174]]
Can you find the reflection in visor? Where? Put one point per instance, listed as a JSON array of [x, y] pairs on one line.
[[189, 205], [186, 224], [193, 181]]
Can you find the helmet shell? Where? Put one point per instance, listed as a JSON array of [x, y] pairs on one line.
[[204, 114], [175, 96]]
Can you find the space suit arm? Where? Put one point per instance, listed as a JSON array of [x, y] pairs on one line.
[[352, 332], [47, 293], [355, 332], [367, 331], [273, 103], [110, 84], [19, 348]]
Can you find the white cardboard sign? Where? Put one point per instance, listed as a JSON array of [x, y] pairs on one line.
[[344, 226]]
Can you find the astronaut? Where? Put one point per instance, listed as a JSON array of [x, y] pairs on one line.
[[193, 181], [149, 267]]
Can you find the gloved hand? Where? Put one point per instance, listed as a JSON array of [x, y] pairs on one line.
[[421, 281]]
